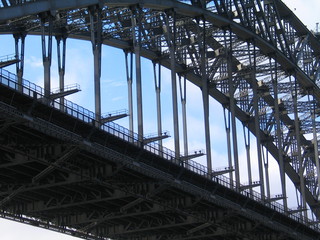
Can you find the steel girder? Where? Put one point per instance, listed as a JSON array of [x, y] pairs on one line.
[[96, 190], [266, 33]]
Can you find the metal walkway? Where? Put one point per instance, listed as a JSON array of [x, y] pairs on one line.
[[72, 170]]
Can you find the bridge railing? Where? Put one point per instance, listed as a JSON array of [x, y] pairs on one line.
[[32, 90], [9, 79], [74, 86], [115, 113], [76, 111], [7, 58]]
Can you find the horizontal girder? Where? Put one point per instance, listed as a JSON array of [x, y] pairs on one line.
[[234, 34], [84, 186]]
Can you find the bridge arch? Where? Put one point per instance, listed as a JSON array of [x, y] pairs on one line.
[[257, 59]]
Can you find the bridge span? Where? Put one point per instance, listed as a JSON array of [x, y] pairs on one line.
[[68, 169]]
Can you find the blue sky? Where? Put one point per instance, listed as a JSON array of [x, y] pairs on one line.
[[114, 97]]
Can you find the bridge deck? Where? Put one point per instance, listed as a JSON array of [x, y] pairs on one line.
[[58, 167]]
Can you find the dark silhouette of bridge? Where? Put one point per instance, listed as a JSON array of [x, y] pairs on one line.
[[67, 169]]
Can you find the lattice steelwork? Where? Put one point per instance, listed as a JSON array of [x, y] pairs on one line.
[[255, 57]]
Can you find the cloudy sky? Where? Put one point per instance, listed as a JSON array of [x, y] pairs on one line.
[[308, 13]]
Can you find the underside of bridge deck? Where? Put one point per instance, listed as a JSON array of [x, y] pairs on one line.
[[64, 174]]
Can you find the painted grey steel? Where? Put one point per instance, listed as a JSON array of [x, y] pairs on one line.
[[129, 74], [228, 51], [265, 157], [61, 53], [255, 109], [46, 52], [170, 32], [205, 90], [303, 204], [183, 96], [173, 192], [157, 86], [96, 41], [136, 36], [278, 124], [312, 104], [19, 48], [227, 124], [247, 144], [250, 82]]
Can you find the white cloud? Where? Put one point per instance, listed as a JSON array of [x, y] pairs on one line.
[[116, 99], [113, 83], [34, 61]]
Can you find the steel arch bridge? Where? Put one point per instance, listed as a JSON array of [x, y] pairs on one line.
[[67, 169]]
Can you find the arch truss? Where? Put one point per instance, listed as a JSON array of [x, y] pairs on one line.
[[255, 57]]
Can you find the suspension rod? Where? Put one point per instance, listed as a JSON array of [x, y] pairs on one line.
[[257, 121], [315, 140], [61, 52], [246, 135], [136, 26], [46, 52], [294, 95], [274, 77], [232, 108], [183, 95], [20, 55], [205, 92], [96, 40], [171, 38], [129, 73], [226, 115], [157, 85], [265, 159]]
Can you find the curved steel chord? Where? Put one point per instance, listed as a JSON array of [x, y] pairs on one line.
[[249, 51]]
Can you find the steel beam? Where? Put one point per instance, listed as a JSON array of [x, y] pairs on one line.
[[315, 141], [157, 86], [294, 91], [171, 39], [129, 74], [46, 51], [183, 96], [281, 56], [20, 38], [232, 104], [96, 41], [246, 135], [256, 97], [61, 53], [205, 89], [136, 21], [179, 190], [227, 119], [278, 125]]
